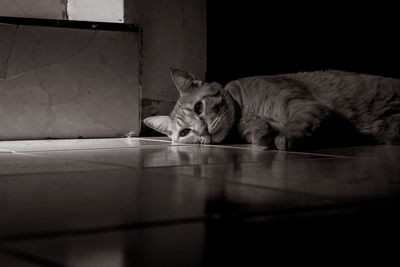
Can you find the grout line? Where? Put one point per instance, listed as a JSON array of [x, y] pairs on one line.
[[253, 148], [208, 218], [119, 167], [98, 230], [8, 151], [28, 257], [256, 148], [280, 190], [81, 149], [257, 186], [151, 139], [7, 175], [2, 150], [319, 154], [116, 166], [239, 147]]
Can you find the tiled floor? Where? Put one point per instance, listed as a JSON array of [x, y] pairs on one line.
[[147, 202]]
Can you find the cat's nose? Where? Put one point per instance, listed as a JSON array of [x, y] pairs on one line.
[[202, 131], [206, 129]]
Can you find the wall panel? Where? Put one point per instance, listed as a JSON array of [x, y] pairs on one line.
[[68, 83]]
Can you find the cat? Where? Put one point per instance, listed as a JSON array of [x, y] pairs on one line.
[[296, 111]]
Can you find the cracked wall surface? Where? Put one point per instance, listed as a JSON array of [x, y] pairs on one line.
[[43, 9], [67, 83], [174, 35], [86, 10]]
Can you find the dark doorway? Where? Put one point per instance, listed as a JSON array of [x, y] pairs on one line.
[[261, 37]]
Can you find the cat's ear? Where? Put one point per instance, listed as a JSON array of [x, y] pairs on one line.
[[182, 79], [159, 123]]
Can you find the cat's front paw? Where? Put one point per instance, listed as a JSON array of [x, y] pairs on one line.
[[281, 143], [257, 131], [265, 141], [285, 143], [263, 137]]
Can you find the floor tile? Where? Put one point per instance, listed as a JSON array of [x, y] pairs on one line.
[[96, 199], [390, 153], [353, 235], [29, 163], [334, 179], [176, 245], [151, 156], [15, 261], [128, 201]]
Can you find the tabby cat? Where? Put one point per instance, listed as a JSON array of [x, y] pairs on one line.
[[297, 111]]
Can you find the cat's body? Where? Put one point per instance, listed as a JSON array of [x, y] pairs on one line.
[[287, 111]]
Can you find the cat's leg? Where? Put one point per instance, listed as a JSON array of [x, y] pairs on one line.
[[387, 130], [257, 130], [304, 120]]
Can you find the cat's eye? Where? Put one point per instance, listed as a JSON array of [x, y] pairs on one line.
[[217, 94], [198, 108], [184, 132]]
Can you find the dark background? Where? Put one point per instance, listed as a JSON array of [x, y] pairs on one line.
[[262, 37]]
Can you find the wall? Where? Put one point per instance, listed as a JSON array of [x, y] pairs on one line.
[[259, 38], [174, 35], [96, 10], [61, 82], [44, 9], [67, 83], [86, 10], [174, 32]]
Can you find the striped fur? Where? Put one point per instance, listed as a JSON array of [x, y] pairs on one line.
[[288, 111]]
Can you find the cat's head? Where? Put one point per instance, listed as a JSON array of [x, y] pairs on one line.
[[204, 112]]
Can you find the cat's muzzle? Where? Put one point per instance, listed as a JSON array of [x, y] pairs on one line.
[[205, 139]]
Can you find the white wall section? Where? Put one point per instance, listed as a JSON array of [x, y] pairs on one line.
[[96, 10]]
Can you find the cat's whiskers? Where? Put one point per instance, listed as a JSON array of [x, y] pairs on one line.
[[215, 123]]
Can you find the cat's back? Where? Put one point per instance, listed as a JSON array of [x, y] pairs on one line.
[[352, 94], [256, 90], [370, 102], [334, 83], [331, 87]]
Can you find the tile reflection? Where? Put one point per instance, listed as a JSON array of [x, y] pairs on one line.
[[204, 155], [176, 245], [7, 259], [155, 204], [366, 175]]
